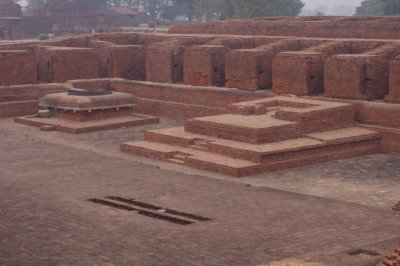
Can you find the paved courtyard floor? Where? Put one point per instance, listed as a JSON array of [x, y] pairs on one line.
[[320, 213]]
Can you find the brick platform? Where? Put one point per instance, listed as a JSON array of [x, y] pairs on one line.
[[76, 127], [82, 110], [262, 135]]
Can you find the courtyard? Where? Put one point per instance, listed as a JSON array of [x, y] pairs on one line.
[[321, 213]]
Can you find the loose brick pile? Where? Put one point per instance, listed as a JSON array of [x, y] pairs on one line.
[[391, 259]]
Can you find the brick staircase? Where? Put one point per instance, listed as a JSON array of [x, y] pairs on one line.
[[262, 135]]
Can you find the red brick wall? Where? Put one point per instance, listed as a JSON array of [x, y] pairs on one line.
[[360, 76], [210, 96], [59, 64], [204, 65], [17, 67], [102, 50], [164, 63], [328, 27], [302, 72], [128, 62], [394, 81]]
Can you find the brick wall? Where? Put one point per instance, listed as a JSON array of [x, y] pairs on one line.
[[204, 65], [59, 64], [360, 76], [128, 62], [164, 63], [394, 81], [17, 67], [328, 27]]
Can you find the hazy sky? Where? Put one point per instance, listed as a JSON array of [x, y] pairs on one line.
[[314, 3], [310, 4]]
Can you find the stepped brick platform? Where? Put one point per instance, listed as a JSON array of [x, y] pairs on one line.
[[80, 110], [261, 135]]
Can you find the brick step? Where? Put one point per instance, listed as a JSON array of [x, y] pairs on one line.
[[255, 129], [174, 109], [194, 158], [274, 119], [238, 167], [250, 129], [313, 143]]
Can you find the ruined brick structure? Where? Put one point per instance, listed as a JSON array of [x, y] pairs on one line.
[[83, 110], [65, 17], [322, 27], [9, 9], [223, 82], [10, 15]]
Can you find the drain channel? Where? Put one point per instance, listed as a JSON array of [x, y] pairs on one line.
[[159, 209], [358, 252], [141, 212]]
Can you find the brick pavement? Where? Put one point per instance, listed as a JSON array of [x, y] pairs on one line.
[[46, 220]]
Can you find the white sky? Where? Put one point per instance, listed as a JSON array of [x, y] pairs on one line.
[[311, 4]]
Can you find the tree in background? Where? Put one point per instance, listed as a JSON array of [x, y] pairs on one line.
[[230, 9], [35, 4], [378, 8], [213, 9], [199, 9], [39, 4]]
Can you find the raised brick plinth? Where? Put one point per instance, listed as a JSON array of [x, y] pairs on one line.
[[262, 135], [79, 111]]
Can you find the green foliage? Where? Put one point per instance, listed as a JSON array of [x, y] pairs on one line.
[[200, 9], [35, 4], [152, 25], [229, 9], [44, 37], [378, 8]]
